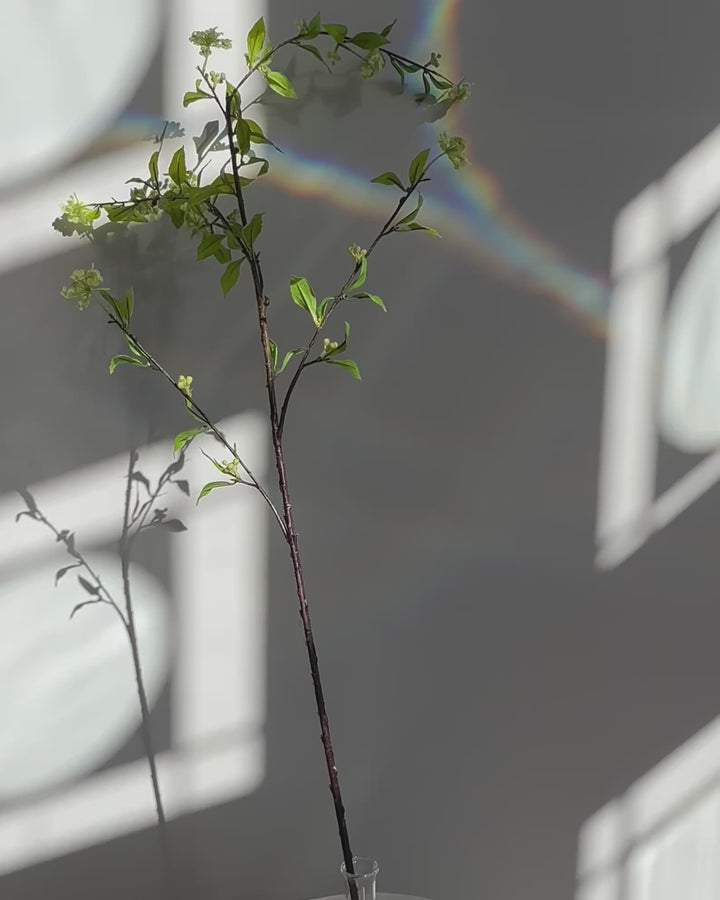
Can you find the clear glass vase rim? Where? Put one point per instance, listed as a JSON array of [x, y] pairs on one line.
[[368, 865]]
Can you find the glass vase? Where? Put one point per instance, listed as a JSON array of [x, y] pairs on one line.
[[362, 884]]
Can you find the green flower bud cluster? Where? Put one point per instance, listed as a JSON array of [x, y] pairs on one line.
[[453, 148], [230, 467], [82, 283], [329, 346], [356, 252], [184, 382]]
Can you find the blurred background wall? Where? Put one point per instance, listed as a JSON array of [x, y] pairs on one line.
[[509, 527]]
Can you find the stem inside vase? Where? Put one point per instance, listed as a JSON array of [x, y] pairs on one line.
[[361, 884]]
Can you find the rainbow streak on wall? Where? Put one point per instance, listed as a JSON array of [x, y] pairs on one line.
[[473, 211]]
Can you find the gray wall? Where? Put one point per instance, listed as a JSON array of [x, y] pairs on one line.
[[489, 688]]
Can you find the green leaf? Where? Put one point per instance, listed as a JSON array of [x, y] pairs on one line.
[[439, 81], [398, 68], [388, 28], [153, 167], [128, 305], [134, 348], [336, 32], [230, 276], [416, 226], [251, 231], [256, 133], [184, 438], [417, 166], [288, 356], [362, 295], [388, 178], [360, 279], [348, 364], [242, 133], [176, 213], [313, 28], [410, 216], [280, 84], [368, 40], [315, 52], [210, 486], [409, 67], [223, 184], [321, 309], [210, 245], [192, 96], [303, 296], [255, 39], [123, 358], [273, 353], [177, 170]]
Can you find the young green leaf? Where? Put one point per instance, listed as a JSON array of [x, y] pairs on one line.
[[417, 166], [410, 217], [273, 353], [210, 245], [280, 84], [315, 52], [288, 356], [251, 231], [177, 170], [336, 32], [362, 295], [123, 358], [303, 296], [242, 133], [368, 40], [439, 81], [348, 364], [126, 307], [313, 27], [210, 486], [184, 438], [416, 226], [230, 275], [399, 69], [360, 279], [388, 28], [321, 309], [255, 40], [388, 178], [153, 167], [192, 96], [257, 135]]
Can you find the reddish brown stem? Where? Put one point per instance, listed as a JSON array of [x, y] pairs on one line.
[[290, 532]]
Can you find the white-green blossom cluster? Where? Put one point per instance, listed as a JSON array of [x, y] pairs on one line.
[[453, 148], [208, 40], [82, 283]]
